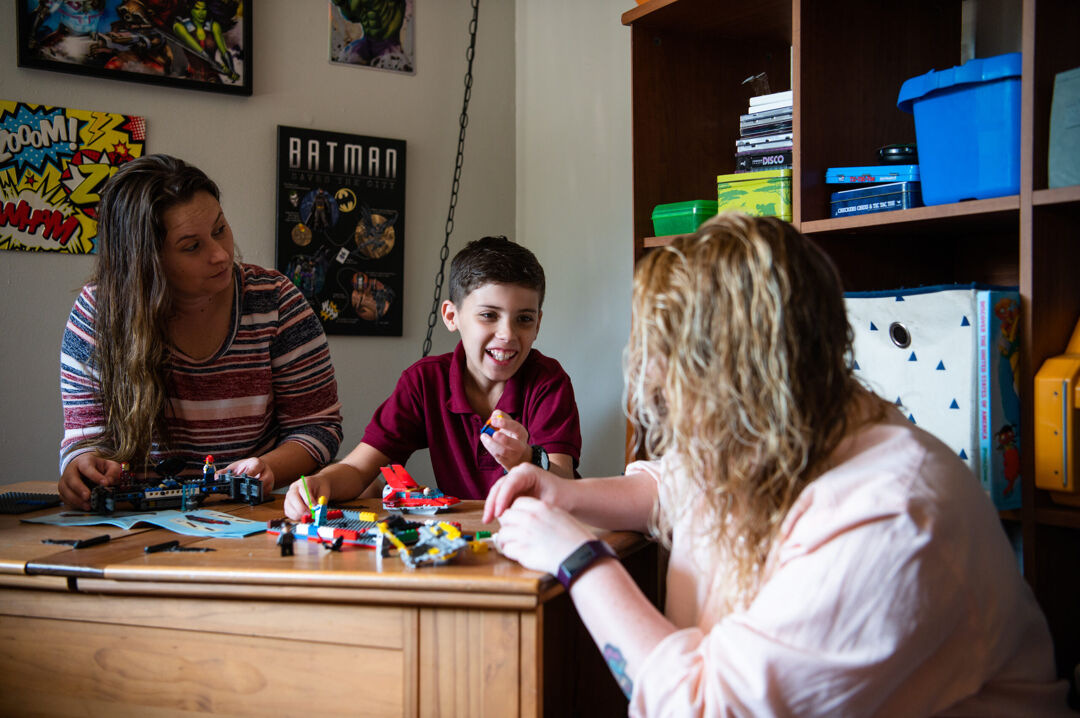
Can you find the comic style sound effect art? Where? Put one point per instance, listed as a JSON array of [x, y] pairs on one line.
[[53, 163]]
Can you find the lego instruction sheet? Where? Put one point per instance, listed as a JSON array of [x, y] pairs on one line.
[[201, 522]]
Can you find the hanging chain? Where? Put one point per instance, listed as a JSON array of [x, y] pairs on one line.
[[463, 123]]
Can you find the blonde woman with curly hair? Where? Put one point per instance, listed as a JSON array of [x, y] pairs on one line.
[[827, 556], [175, 349]]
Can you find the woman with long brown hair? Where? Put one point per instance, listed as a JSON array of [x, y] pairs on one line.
[[176, 349], [828, 557]]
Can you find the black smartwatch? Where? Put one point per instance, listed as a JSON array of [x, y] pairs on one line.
[[540, 457], [580, 559]]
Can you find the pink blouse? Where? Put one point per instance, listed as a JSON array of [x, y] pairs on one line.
[[891, 591]]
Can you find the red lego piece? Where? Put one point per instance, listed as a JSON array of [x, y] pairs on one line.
[[402, 493]]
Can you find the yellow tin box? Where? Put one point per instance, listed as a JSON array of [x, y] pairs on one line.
[[762, 194]]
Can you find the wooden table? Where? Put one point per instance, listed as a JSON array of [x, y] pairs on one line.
[[111, 630]]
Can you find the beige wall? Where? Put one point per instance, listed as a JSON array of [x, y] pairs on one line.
[[574, 199], [554, 174]]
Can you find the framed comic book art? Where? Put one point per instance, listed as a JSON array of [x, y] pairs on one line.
[[374, 33], [195, 44], [54, 162], [341, 227]]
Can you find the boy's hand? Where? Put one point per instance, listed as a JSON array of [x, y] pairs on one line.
[[253, 466], [524, 480], [83, 472], [296, 503], [510, 442]]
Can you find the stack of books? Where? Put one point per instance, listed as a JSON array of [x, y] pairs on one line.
[[765, 137]]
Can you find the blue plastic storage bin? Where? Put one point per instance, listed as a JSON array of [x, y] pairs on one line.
[[967, 126]]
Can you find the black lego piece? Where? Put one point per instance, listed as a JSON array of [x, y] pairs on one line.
[[19, 502]]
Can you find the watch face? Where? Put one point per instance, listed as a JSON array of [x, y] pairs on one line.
[[579, 559]]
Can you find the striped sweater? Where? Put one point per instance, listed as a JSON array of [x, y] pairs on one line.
[[270, 382]]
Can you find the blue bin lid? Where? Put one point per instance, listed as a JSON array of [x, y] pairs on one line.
[[984, 70]]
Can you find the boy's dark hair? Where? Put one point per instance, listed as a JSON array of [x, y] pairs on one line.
[[494, 260]]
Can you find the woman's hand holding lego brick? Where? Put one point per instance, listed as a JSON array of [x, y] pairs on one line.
[[81, 474], [255, 466]]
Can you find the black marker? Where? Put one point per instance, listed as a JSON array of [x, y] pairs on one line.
[[84, 543], [166, 546]]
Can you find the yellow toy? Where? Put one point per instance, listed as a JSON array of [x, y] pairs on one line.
[[1057, 398]]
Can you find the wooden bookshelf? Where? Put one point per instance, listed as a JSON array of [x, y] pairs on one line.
[[846, 61]]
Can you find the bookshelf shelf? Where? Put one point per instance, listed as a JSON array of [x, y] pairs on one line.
[[688, 61], [978, 215], [1010, 515], [1059, 516], [651, 242], [964, 216], [1056, 196], [768, 19]]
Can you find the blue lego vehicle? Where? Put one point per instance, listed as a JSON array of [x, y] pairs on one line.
[[174, 492]]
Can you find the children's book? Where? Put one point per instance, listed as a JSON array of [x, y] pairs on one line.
[[999, 401]]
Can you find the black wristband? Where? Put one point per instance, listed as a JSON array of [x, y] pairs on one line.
[[540, 457], [580, 559]]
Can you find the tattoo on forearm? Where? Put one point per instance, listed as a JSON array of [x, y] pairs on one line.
[[617, 664]]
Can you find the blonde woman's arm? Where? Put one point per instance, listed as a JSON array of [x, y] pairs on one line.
[[624, 624], [618, 503]]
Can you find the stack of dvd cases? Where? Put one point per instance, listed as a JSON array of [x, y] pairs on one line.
[[765, 138]]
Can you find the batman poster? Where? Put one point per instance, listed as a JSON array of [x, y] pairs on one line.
[[341, 227]]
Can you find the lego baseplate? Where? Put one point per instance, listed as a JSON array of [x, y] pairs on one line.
[[353, 527]]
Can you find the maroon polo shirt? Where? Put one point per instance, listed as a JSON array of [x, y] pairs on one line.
[[429, 409]]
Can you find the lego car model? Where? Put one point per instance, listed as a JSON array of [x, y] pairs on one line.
[[402, 493]]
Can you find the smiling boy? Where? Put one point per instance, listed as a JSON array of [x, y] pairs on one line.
[[494, 376]]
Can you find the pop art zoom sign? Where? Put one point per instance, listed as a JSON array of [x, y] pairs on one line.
[[53, 163]]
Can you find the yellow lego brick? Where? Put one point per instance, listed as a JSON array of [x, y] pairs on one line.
[[451, 531]]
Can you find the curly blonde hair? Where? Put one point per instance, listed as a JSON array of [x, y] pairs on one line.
[[738, 366]]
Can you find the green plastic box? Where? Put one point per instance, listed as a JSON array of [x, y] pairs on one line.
[[682, 217], [760, 194]]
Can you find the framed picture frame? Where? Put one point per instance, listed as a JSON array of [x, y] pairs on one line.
[[383, 40], [341, 227], [193, 44]]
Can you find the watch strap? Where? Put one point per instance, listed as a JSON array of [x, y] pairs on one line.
[[540, 457], [581, 559]]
